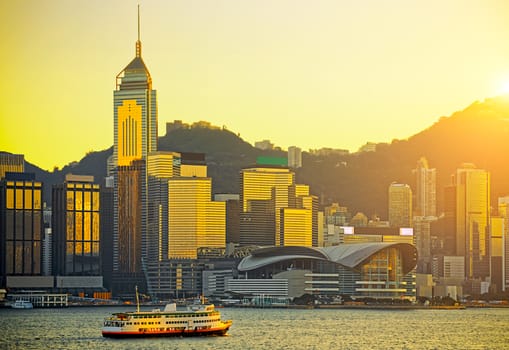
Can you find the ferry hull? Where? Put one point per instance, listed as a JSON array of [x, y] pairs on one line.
[[113, 333]]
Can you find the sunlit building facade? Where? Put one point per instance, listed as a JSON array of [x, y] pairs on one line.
[[194, 220], [161, 166], [135, 136], [400, 205], [263, 191], [76, 227], [21, 226], [14, 163], [472, 219], [295, 227]]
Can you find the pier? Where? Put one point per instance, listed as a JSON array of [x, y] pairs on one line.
[[42, 299]]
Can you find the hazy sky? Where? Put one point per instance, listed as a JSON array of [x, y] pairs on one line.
[[306, 73]]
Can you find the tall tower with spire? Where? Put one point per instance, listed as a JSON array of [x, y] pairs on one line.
[[135, 136]]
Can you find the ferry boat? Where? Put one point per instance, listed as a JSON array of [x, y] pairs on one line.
[[22, 304], [196, 320]]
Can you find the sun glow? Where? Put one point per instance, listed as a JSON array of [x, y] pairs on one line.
[[504, 90]]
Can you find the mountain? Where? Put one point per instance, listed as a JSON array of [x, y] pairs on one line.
[[477, 134]]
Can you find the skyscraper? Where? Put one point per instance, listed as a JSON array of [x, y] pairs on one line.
[[162, 166], [425, 196], [135, 136], [472, 219], [21, 226], [76, 227], [264, 190], [194, 220], [400, 205], [274, 210]]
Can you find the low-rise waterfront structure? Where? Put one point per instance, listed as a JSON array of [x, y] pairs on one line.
[[364, 270]]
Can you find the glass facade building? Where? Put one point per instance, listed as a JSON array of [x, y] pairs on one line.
[[76, 227], [135, 136], [400, 205], [264, 190], [194, 220], [380, 270], [21, 226], [473, 219]]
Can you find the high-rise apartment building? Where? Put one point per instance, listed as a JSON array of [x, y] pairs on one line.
[[472, 219], [135, 136], [425, 195], [21, 226], [400, 205], [76, 227], [294, 157]]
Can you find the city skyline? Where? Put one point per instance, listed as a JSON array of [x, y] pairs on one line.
[[360, 72]]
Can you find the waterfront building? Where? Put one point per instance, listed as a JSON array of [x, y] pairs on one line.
[[472, 219], [273, 287], [135, 136], [21, 228], [425, 196], [294, 157], [400, 205], [11, 163], [76, 227], [371, 270]]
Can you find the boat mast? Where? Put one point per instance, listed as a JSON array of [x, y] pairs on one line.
[[137, 300]]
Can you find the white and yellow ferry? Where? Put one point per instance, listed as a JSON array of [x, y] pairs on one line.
[[196, 320]]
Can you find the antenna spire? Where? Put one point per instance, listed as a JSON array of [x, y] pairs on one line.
[[138, 42]]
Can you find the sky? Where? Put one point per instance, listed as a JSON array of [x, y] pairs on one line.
[[300, 73]]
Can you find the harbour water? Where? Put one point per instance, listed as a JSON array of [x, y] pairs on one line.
[[80, 328]]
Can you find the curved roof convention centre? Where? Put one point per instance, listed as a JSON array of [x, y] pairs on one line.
[[349, 255]]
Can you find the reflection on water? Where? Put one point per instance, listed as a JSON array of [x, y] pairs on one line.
[[79, 328]]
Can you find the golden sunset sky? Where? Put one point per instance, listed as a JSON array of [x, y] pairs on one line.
[[306, 73]]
